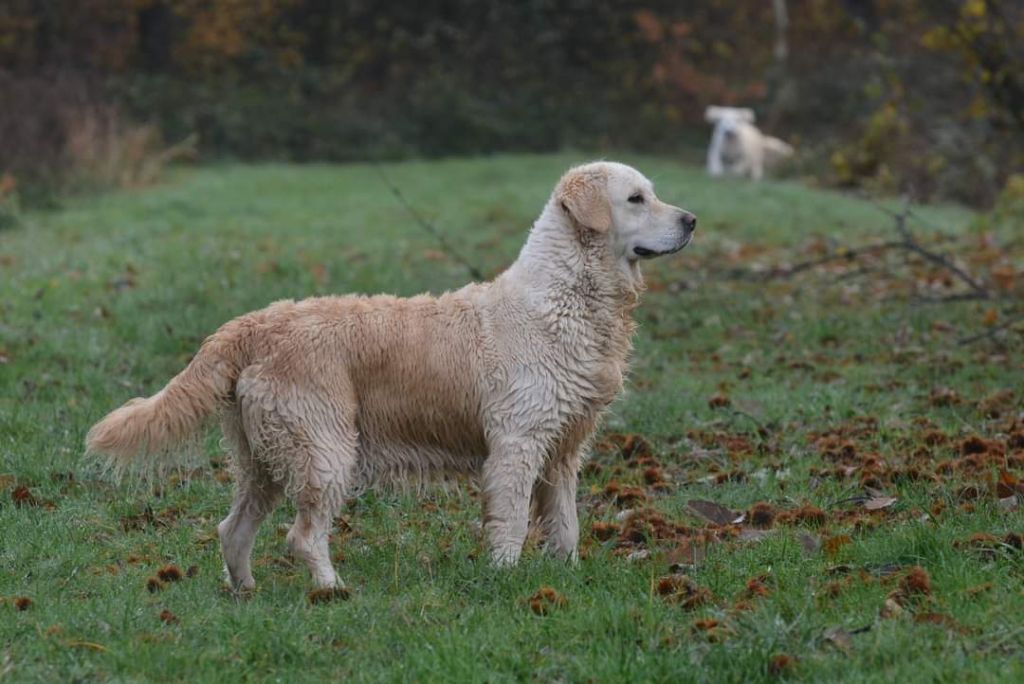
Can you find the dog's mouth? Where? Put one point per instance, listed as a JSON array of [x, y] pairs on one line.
[[645, 253]]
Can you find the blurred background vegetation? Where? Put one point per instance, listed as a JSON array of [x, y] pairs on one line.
[[924, 97]]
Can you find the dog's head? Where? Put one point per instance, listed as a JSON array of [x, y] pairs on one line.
[[715, 113], [617, 201]]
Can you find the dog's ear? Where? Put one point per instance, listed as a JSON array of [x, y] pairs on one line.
[[746, 114], [712, 114], [584, 196]]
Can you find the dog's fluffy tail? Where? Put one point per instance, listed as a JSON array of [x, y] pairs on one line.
[[777, 149], [152, 426]]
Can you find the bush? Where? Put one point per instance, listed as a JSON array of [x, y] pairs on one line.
[[61, 135]]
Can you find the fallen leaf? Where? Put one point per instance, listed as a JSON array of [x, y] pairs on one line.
[[879, 503], [545, 600], [327, 595], [21, 496], [685, 555], [781, 664], [719, 401], [682, 590], [1008, 484], [713, 512], [832, 545], [169, 573], [603, 531]]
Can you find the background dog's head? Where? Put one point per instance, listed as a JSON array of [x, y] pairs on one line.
[[616, 200], [715, 113]]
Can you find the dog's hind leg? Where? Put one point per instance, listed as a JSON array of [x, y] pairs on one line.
[[304, 433], [256, 494], [329, 460]]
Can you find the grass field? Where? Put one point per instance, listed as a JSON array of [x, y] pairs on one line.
[[818, 394]]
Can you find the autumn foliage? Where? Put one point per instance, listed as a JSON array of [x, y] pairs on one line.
[[914, 96]]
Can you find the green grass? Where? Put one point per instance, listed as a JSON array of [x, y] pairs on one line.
[[108, 298]]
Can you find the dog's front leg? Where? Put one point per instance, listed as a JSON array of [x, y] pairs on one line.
[[556, 507], [508, 477]]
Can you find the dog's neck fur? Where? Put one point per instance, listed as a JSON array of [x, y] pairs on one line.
[[562, 257], [569, 277]]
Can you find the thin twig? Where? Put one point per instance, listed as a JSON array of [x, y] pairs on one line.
[[427, 226], [912, 245], [991, 332]]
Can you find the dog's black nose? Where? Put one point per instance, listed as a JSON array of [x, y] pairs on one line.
[[689, 221]]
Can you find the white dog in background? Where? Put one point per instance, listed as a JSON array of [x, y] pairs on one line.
[[738, 147]]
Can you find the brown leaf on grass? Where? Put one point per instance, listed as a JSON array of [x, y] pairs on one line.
[[628, 445], [327, 594], [757, 587], [762, 515], [916, 582], [943, 396], [988, 546], [687, 554], [169, 573], [22, 603], [711, 629], [624, 495], [941, 620], [168, 618], [781, 664], [879, 502], [1008, 484], [22, 497], [997, 403], [990, 317], [716, 513], [974, 445], [683, 590], [832, 545], [653, 475], [914, 585], [719, 400], [978, 589], [604, 531], [154, 584], [545, 600]]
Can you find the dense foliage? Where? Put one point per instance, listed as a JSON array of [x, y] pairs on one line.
[[897, 95]]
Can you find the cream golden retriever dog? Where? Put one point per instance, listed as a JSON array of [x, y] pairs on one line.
[[506, 380], [738, 147]]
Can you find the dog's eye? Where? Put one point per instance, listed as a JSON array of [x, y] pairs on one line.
[[637, 198]]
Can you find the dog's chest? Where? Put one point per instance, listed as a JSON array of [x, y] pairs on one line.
[[589, 357]]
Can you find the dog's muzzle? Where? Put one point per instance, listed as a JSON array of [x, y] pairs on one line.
[[689, 224]]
